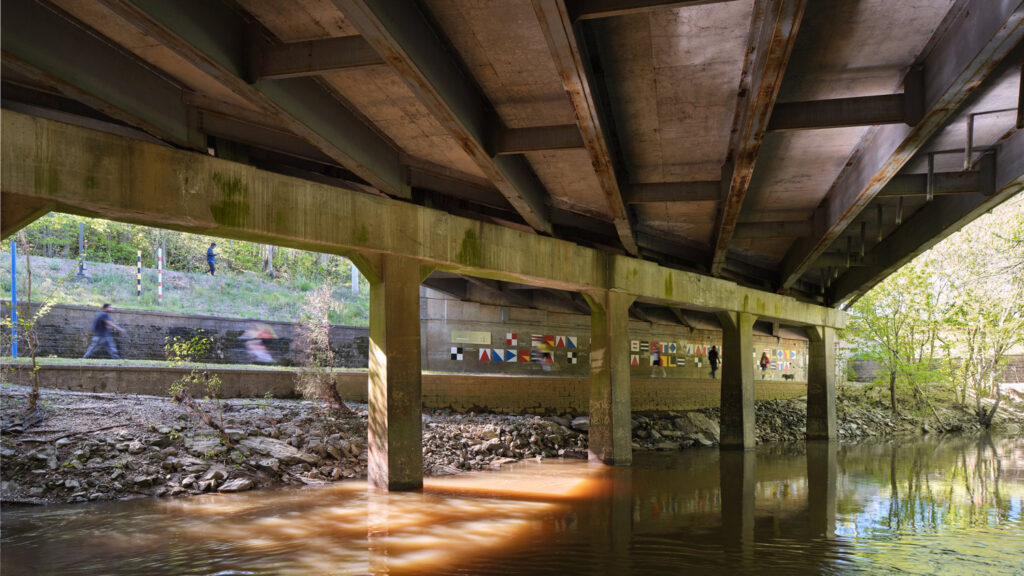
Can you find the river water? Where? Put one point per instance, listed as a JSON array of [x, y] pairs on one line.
[[947, 506]]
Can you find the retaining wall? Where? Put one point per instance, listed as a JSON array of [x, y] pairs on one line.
[[458, 392]]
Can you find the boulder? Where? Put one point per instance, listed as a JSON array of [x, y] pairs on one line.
[[704, 425], [236, 485], [581, 423], [282, 451]]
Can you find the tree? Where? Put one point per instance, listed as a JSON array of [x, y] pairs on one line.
[[981, 266], [315, 377], [896, 325]]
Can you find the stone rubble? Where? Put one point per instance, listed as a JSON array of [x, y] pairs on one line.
[[159, 449]]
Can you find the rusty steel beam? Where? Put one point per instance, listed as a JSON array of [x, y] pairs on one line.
[[1001, 177], [520, 140], [407, 39], [943, 183], [48, 48], [311, 58], [594, 9], [840, 112], [773, 32], [651, 192], [218, 41], [974, 43], [569, 52]]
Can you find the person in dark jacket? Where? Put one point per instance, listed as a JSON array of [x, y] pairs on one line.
[[713, 359], [210, 257], [101, 326]]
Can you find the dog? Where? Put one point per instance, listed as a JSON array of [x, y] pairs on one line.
[[789, 376]]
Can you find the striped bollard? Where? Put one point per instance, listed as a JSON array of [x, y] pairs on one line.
[[159, 275], [138, 277]]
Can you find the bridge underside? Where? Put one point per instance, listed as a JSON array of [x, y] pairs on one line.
[[751, 159]]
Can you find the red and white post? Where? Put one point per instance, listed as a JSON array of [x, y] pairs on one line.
[[159, 275]]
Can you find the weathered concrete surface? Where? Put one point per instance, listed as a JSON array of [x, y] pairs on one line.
[[610, 423], [395, 388], [821, 384], [87, 172], [737, 403]]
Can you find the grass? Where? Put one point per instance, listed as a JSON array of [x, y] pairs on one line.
[[230, 294]]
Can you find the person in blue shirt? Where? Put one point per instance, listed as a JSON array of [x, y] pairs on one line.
[[102, 338], [210, 257]]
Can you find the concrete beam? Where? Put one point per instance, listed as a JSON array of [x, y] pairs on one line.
[[773, 229], [610, 413], [773, 32], [594, 9], [974, 42], [1001, 177], [681, 317], [45, 46], [214, 37], [648, 193], [410, 43], [311, 58], [16, 212], [520, 140], [92, 173], [839, 113], [589, 103]]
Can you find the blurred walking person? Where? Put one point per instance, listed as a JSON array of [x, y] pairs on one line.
[[102, 338]]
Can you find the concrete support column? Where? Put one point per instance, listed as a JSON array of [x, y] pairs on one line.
[[395, 387], [821, 383], [737, 402], [610, 419], [738, 482]]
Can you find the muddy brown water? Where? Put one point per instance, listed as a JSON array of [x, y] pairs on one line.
[[947, 506]]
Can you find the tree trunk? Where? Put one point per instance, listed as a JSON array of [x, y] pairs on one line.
[[268, 264], [892, 391]]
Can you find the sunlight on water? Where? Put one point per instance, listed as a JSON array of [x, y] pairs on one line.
[[946, 506]]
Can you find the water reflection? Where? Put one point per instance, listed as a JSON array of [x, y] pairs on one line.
[[946, 506]]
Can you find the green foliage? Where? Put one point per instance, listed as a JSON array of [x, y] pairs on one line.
[[943, 324], [179, 350]]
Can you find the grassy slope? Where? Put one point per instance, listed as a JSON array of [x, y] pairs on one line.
[[229, 294]]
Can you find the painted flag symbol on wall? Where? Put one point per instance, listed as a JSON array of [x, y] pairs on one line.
[[485, 355], [524, 355], [456, 352], [634, 359], [634, 345], [511, 339], [559, 341], [536, 340], [672, 348], [511, 356], [571, 357], [549, 340], [645, 346], [570, 342], [497, 355]]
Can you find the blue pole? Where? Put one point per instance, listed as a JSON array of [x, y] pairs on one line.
[[14, 299]]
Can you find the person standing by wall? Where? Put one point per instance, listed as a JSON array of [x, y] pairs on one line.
[[210, 257], [101, 326], [763, 363], [656, 361], [713, 360]]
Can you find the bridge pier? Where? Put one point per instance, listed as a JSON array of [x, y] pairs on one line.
[[395, 436], [610, 436], [821, 383], [737, 403]]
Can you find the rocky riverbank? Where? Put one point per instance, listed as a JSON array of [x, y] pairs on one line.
[[91, 447]]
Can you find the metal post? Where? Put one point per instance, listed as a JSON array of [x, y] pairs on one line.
[[81, 249], [930, 192], [138, 277], [14, 299], [969, 149], [159, 275]]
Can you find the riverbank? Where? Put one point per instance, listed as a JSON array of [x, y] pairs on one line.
[[91, 447]]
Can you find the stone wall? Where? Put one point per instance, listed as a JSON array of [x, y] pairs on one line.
[[65, 332]]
